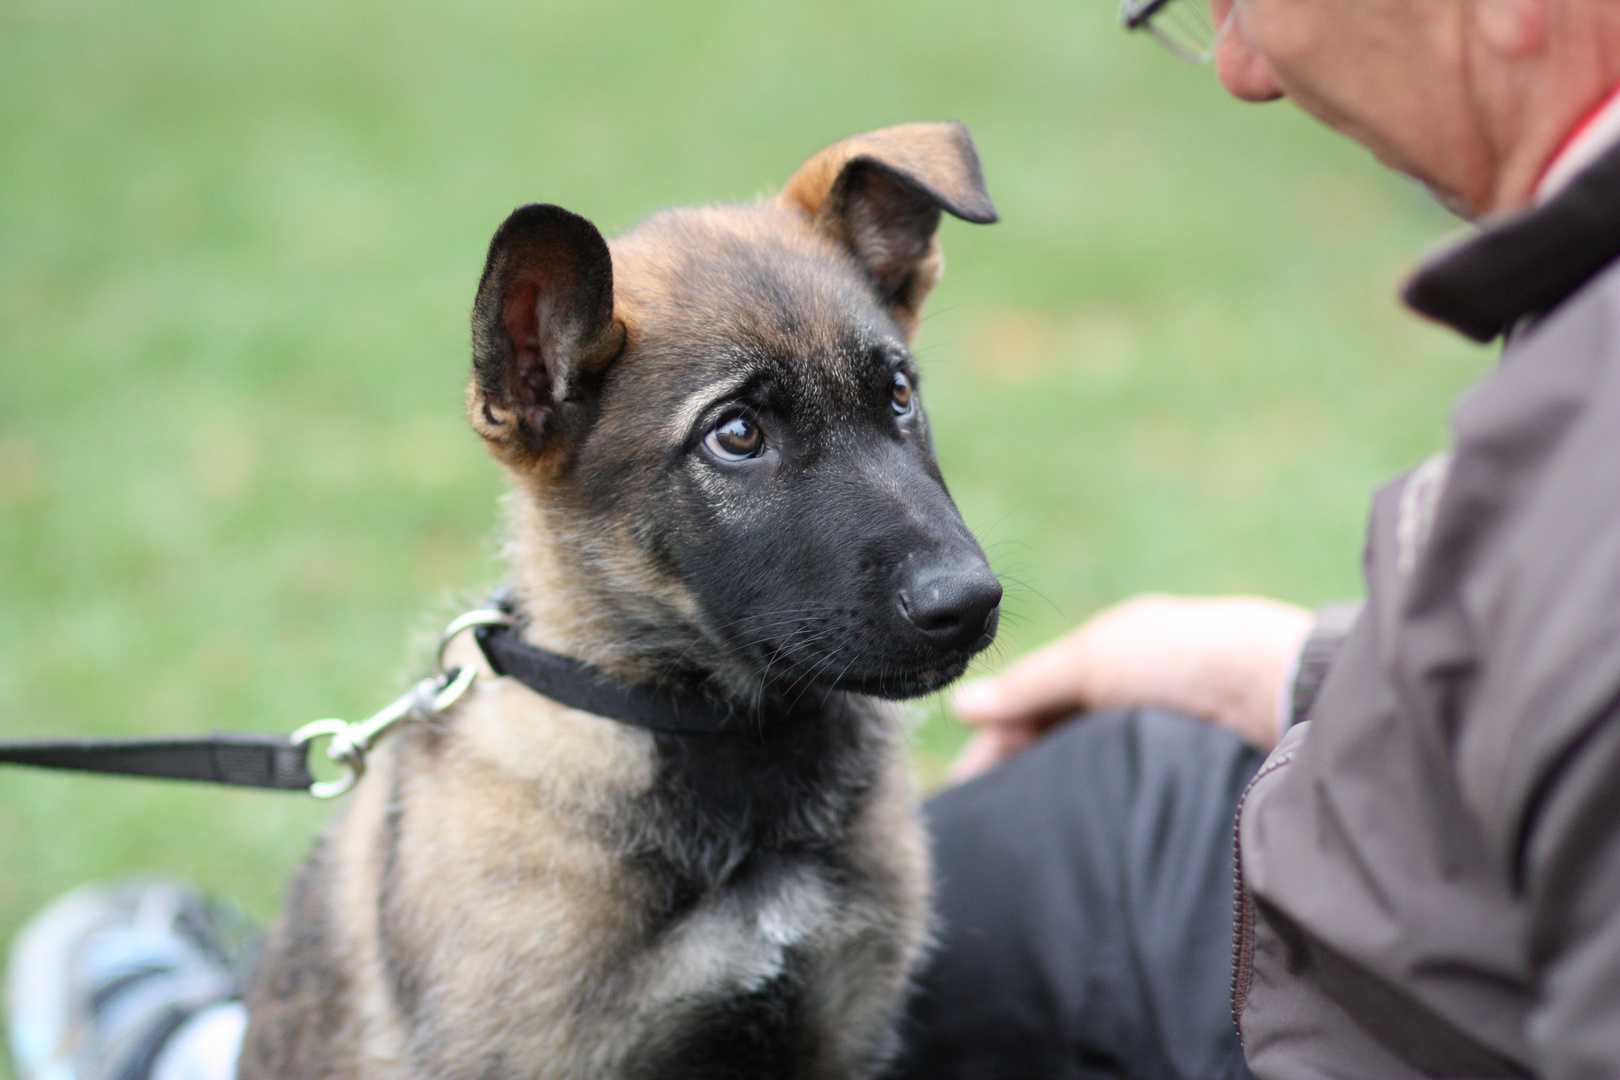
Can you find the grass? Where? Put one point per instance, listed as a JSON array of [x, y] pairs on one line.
[[238, 245]]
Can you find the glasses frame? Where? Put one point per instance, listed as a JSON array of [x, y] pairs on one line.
[[1136, 15]]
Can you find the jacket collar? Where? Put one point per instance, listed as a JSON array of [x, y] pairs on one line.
[[1527, 263]]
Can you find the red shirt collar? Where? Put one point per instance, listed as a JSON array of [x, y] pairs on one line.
[[1576, 133]]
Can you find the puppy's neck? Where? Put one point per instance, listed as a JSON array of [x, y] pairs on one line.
[[591, 597], [707, 805]]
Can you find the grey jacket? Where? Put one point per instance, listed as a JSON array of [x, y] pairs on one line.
[[1429, 868]]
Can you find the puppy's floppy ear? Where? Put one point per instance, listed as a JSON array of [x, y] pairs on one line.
[[543, 330], [880, 196]]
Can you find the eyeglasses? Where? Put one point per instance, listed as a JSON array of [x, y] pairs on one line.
[[1182, 26]]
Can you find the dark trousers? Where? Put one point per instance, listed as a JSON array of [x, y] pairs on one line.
[[1084, 898]]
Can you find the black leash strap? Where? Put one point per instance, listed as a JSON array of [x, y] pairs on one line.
[[281, 761], [579, 686], [261, 761]]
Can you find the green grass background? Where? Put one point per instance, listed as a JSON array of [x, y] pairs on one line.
[[238, 244]]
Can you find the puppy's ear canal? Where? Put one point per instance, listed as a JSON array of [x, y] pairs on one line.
[[543, 330], [880, 196]]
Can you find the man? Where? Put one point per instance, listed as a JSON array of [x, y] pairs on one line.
[[1429, 861]]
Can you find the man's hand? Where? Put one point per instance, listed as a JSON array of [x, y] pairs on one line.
[[1220, 658]]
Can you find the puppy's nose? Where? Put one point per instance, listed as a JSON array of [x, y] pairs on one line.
[[954, 605]]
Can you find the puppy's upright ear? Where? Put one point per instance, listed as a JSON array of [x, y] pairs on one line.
[[543, 331], [880, 196]]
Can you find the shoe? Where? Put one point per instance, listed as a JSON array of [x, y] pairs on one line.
[[103, 978]]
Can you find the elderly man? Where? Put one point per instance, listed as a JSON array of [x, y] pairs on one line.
[[1429, 861]]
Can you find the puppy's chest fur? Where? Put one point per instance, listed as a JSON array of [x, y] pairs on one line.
[[537, 893]]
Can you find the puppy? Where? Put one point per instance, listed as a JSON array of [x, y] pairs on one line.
[[723, 492]]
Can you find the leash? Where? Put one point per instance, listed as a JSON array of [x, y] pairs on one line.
[[281, 762], [261, 761], [277, 762]]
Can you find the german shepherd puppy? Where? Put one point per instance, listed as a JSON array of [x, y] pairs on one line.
[[723, 482]]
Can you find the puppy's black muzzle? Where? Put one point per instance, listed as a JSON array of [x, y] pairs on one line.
[[858, 574], [934, 601]]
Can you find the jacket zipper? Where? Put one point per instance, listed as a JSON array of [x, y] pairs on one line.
[[1243, 904]]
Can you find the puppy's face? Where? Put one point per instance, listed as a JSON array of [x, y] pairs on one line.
[[725, 413]]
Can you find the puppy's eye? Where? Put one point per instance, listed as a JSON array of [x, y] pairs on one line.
[[736, 439], [901, 398]]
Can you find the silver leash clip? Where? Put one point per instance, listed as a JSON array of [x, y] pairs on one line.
[[427, 699]]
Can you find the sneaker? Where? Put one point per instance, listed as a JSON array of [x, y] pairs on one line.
[[109, 977]]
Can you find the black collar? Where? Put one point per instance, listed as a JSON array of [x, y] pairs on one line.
[[1527, 263], [580, 686]]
